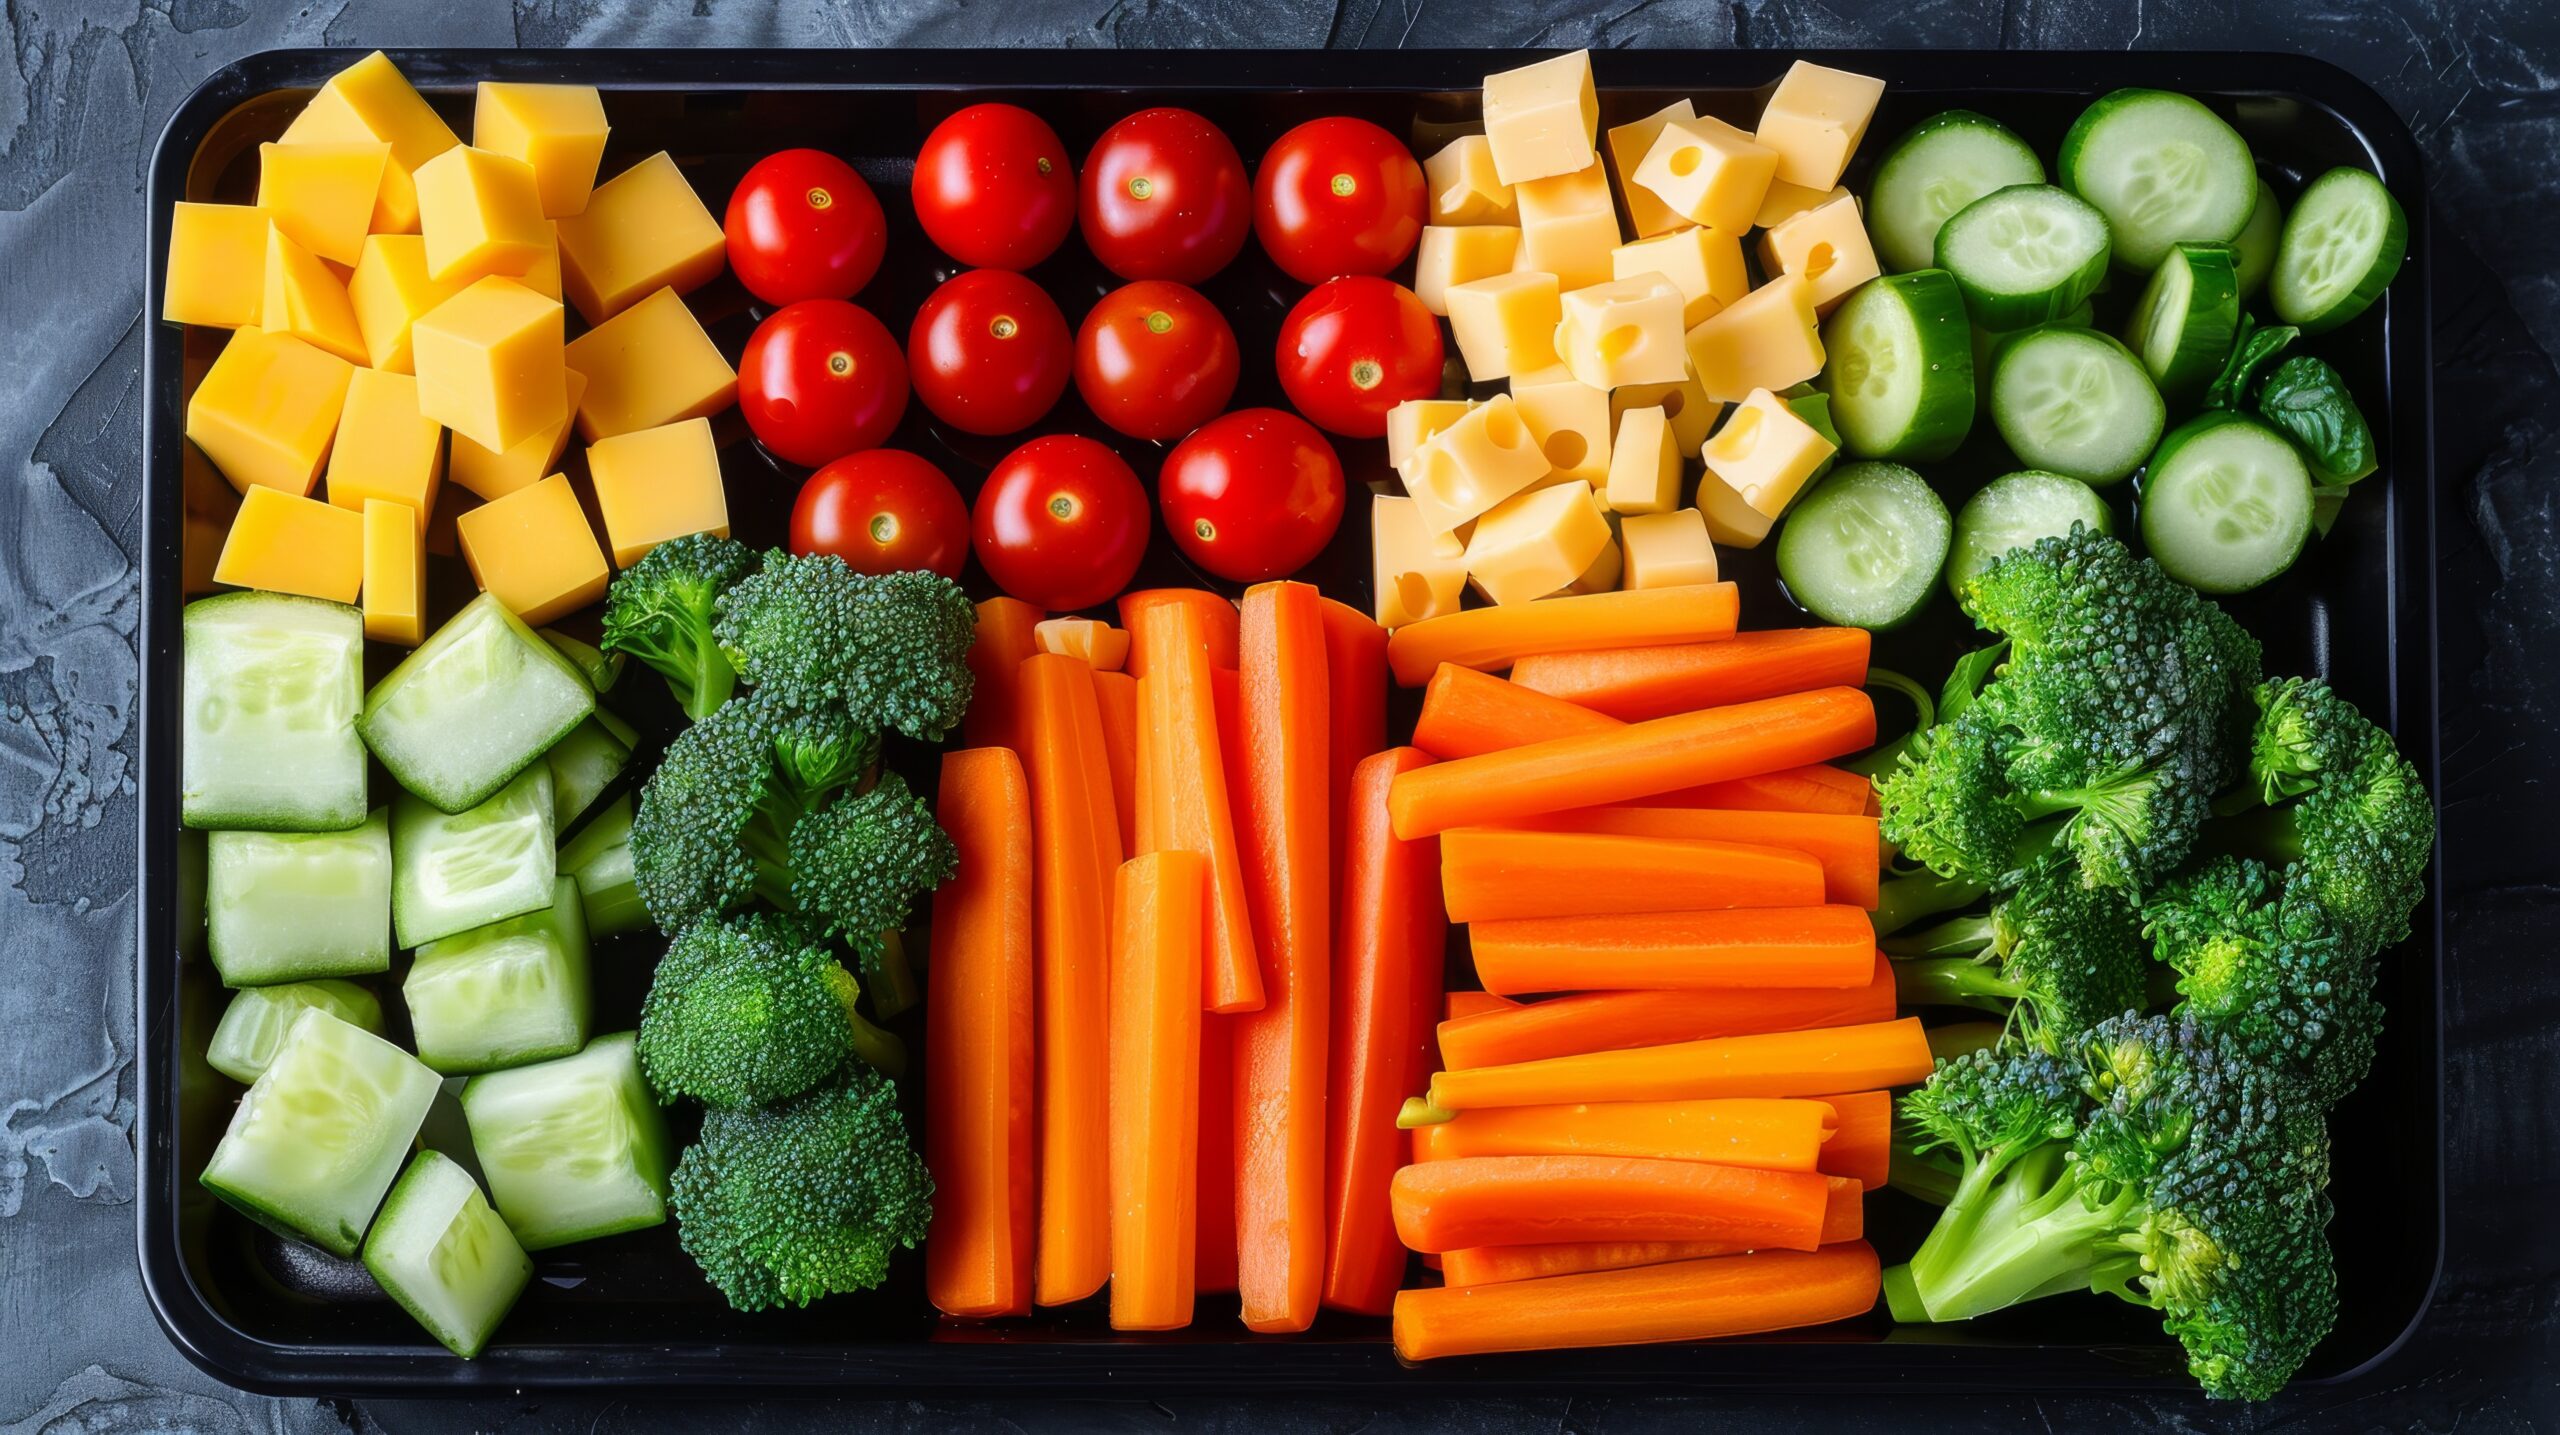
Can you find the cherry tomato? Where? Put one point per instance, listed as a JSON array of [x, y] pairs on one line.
[[882, 511], [1253, 495], [1354, 348], [1165, 197], [1338, 196], [994, 189], [1061, 523], [803, 225], [1155, 360], [821, 379], [989, 352]]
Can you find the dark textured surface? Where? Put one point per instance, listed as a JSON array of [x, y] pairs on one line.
[[88, 85]]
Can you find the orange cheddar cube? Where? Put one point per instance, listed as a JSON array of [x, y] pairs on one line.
[[1627, 145], [217, 265], [1767, 339], [557, 129], [533, 549], [372, 100], [490, 362], [390, 289], [283, 543], [1541, 119], [492, 473], [481, 215], [642, 231], [321, 195], [649, 365], [1826, 246], [1705, 263], [1814, 120], [1667, 550], [656, 484], [267, 410], [386, 449], [303, 299], [1708, 172], [1105, 647], [1464, 188], [542, 276], [395, 573], [1460, 254]]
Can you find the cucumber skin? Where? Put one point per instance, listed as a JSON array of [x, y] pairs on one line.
[[341, 1240], [385, 743], [209, 811], [1944, 416], [2213, 278], [652, 1149], [2004, 311], [331, 958], [2067, 159], [2253, 255], [2387, 259], [1920, 134], [1863, 471], [427, 1169], [2167, 450]]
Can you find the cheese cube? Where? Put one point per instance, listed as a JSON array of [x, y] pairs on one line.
[[1644, 464], [542, 276], [533, 549], [390, 289], [1464, 188], [1626, 331], [395, 573], [557, 129], [1570, 421], [1667, 550], [642, 230], [1103, 647], [489, 362], [1536, 543], [386, 449], [302, 299], [1708, 172], [1756, 464], [1705, 263], [1605, 571], [1473, 464], [284, 543], [321, 195], [495, 474], [371, 100], [1541, 119], [1412, 577], [1691, 413], [649, 365], [217, 265], [326, 119], [1826, 246], [1627, 146], [656, 484], [1785, 201], [1568, 226], [1506, 323], [481, 214], [267, 409], [1767, 339], [1412, 423], [1460, 254], [1814, 121]]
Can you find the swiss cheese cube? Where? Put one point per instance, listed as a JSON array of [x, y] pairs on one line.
[[1756, 464], [533, 549], [284, 543], [1570, 421], [267, 409], [1768, 339], [1412, 423], [1486, 456], [1536, 543], [649, 365], [321, 195], [1568, 226], [1785, 201], [490, 362], [1667, 550], [642, 231], [558, 129], [1460, 254], [217, 265], [1464, 188], [1644, 464], [1627, 145], [302, 299], [492, 473], [1541, 119], [372, 100], [1705, 263], [1708, 172], [1413, 576], [1814, 121], [1626, 331], [1506, 323], [395, 573], [656, 484], [1691, 413], [1826, 246], [386, 448], [481, 214], [390, 289], [1103, 647]]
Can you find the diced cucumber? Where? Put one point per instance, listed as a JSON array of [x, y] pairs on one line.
[[2342, 246], [289, 906], [455, 871], [599, 858], [1865, 549], [2183, 325], [2253, 254], [322, 1133], [1939, 166], [2015, 510], [473, 706], [575, 1148], [602, 669], [2227, 503], [2024, 254], [440, 1251], [505, 994], [252, 1029], [585, 763], [1900, 367], [269, 689], [2163, 169], [2075, 402]]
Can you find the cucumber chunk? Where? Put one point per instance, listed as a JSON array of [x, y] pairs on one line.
[[253, 1026], [2227, 503], [1865, 549], [2163, 169], [2015, 510], [473, 706], [601, 669], [2075, 402], [2024, 254], [2183, 324], [2253, 254], [451, 872], [443, 1254], [322, 1133], [504, 994], [599, 859], [585, 763], [289, 906], [269, 689], [575, 1147], [1899, 370], [1939, 166], [2342, 245]]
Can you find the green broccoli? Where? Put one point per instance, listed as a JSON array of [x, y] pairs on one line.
[[2262, 960], [749, 1010], [784, 1204], [892, 650], [2361, 829], [2056, 952], [2303, 729], [660, 610], [859, 863]]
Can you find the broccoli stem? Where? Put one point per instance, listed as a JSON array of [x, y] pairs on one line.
[[1929, 1176], [765, 842], [713, 684], [1953, 981], [879, 1049], [892, 980], [1967, 937], [1903, 900], [2015, 1232]]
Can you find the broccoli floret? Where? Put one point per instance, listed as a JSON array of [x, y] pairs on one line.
[[2358, 840], [749, 1010], [892, 650], [858, 863], [2056, 952], [2263, 961], [660, 610], [784, 1204], [1946, 804], [2303, 730], [2132, 827]]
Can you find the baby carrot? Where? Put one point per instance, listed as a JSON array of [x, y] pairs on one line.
[[1514, 1032], [1633, 684], [1843, 1219], [1683, 1300], [1499, 636], [1155, 1088], [1488, 873], [1533, 1200], [1825, 1061], [995, 661], [1671, 951]]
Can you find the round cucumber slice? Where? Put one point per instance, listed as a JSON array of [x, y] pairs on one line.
[[2226, 505], [443, 1254], [2075, 402], [2253, 254], [1939, 166], [1865, 549], [2024, 254], [253, 1026], [2183, 325], [2163, 169], [2015, 510], [322, 1133], [1899, 367], [2341, 247]]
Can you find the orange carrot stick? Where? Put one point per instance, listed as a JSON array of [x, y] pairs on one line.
[[1116, 695], [1190, 807], [995, 662], [1861, 1144], [1216, 633], [1092, 761], [1155, 1088], [1843, 1219], [1675, 951], [1489, 873], [1533, 1200], [1355, 659], [1466, 713], [1216, 1269], [1614, 1021], [1633, 684], [1848, 847], [1774, 1135], [1462, 1005], [1825, 1061], [1684, 1300], [1500, 636], [1812, 788]]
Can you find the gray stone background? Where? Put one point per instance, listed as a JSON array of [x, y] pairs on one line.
[[87, 84]]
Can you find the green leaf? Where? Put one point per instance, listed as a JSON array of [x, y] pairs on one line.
[[2252, 349], [2308, 401]]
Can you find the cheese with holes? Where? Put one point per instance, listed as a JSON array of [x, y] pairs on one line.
[[321, 195], [1644, 464], [1412, 423], [1460, 254], [642, 231], [1691, 413], [481, 215], [390, 289], [1626, 331], [1756, 464], [1785, 201], [1708, 172], [1627, 145], [1413, 576], [1103, 647], [1768, 339], [284, 543], [302, 299], [1536, 543], [1568, 226], [533, 549], [558, 129], [1667, 550], [386, 448], [1825, 246], [1506, 323], [490, 361], [1569, 420], [1473, 464], [656, 484], [1464, 188], [395, 573], [217, 265], [649, 365], [1705, 263], [492, 473], [267, 409], [1541, 119], [1814, 121], [372, 100]]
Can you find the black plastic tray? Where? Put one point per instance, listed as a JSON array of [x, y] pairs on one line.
[[630, 1314]]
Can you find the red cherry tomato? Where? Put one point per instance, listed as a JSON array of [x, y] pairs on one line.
[[803, 225], [1338, 196], [882, 511], [1252, 496], [821, 379], [1165, 197], [1155, 360], [989, 352], [994, 188], [1354, 348], [1061, 523]]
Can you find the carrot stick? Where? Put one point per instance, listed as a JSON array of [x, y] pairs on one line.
[[1466, 713], [1216, 1216], [1861, 1144], [1774, 1135], [1500, 636], [995, 663], [1533, 1200], [1216, 633], [1355, 659], [1631, 762], [1812, 788], [978, 1043], [1684, 1300], [1091, 761], [1488, 873], [1632, 684], [1155, 1088], [1675, 951], [1843, 1219], [1116, 695], [1614, 1021], [1388, 960], [1190, 806], [1825, 1061], [1848, 847], [1462, 1005]]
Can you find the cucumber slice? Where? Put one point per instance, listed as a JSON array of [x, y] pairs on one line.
[[252, 1028], [574, 1148], [2253, 254], [2227, 503], [269, 689], [2342, 246], [2183, 325], [2024, 254], [1939, 166], [322, 1133], [440, 1251], [601, 669], [2015, 510], [2075, 402], [473, 706], [451, 872], [504, 994], [599, 858], [1865, 549], [289, 906], [2163, 169], [585, 763], [1900, 367]]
